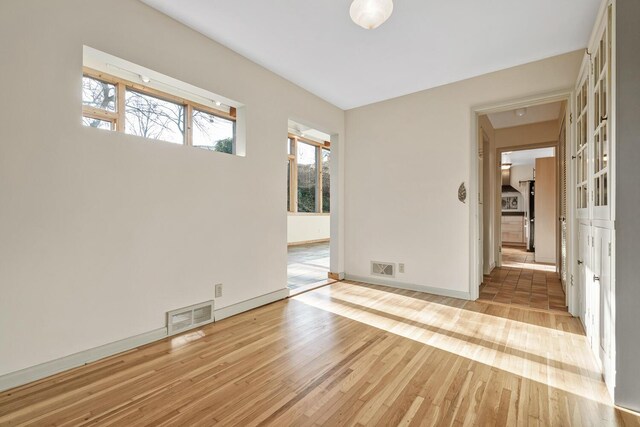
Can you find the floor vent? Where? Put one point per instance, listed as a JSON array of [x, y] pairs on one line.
[[190, 317], [386, 269]]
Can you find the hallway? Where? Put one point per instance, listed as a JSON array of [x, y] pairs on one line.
[[523, 282]]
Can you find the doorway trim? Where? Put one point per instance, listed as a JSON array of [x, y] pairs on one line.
[[499, 152], [336, 185], [474, 205]]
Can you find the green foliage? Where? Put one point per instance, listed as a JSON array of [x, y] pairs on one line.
[[224, 146], [306, 199]]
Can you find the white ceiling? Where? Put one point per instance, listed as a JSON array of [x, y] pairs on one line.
[[527, 157], [535, 114], [425, 43]]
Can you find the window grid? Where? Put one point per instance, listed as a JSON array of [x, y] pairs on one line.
[[321, 150], [581, 145], [601, 72], [117, 118]]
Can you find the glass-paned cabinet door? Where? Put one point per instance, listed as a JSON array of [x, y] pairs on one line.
[[581, 145], [601, 72]]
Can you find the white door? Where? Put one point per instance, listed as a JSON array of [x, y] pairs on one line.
[[593, 296], [583, 260], [602, 252]]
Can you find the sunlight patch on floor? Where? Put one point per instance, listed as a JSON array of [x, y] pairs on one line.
[[548, 268], [503, 340]]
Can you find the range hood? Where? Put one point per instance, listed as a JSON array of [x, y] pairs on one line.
[[506, 182]]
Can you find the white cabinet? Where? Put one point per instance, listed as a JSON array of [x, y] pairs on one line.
[[592, 171]]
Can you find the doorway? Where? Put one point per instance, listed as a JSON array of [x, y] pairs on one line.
[[519, 221], [308, 207]]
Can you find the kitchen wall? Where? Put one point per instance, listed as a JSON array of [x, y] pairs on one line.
[[103, 233], [521, 173], [406, 158]]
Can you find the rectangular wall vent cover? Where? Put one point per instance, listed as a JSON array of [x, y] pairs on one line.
[[386, 269], [190, 317]]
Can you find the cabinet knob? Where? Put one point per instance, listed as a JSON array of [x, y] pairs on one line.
[[596, 278]]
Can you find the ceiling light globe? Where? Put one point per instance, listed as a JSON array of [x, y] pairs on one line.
[[520, 112], [370, 14]]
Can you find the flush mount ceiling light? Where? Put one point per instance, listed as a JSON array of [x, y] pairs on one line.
[[370, 14], [520, 112]]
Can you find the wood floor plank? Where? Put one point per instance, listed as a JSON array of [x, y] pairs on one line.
[[345, 354]]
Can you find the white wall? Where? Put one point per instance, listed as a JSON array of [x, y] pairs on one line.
[[405, 159], [102, 233], [627, 204], [306, 228]]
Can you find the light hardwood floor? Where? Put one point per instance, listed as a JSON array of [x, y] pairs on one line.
[[344, 354]]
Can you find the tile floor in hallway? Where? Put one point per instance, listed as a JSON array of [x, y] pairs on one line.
[[523, 282], [307, 264]]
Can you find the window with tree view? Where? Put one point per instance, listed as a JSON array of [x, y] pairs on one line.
[[99, 103], [308, 181], [154, 118], [212, 132], [307, 177], [113, 103], [326, 180]]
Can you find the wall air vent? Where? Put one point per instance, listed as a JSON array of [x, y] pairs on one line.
[[190, 317], [386, 269]]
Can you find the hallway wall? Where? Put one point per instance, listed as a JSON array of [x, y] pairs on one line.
[[406, 158], [489, 252], [627, 204]]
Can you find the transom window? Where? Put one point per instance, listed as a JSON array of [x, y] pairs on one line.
[[113, 103], [308, 181]]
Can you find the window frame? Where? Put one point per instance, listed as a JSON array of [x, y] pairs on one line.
[[293, 173], [118, 118], [321, 194]]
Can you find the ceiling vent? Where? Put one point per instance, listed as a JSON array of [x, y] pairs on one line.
[[386, 269], [190, 317]]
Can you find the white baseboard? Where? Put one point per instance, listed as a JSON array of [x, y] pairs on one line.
[[34, 373], [241, 307], [491, 267], [410, 286]]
